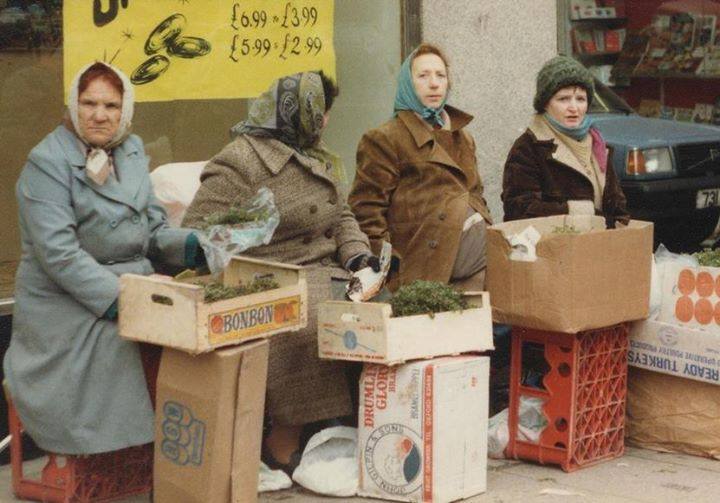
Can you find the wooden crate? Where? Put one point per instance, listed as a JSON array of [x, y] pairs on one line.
[[368, 332], [163, 311]]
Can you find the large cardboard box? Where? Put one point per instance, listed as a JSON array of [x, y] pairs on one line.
[[422, 429], [368, 332], [691, 297], [208, 425], [162, 311], [593, 279], [675, 350]]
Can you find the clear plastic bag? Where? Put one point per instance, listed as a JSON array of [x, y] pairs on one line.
[[220, 242]]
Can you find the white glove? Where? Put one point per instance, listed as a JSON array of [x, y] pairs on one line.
[[581, 207]]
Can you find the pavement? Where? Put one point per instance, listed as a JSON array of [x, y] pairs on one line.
[[639, 476]]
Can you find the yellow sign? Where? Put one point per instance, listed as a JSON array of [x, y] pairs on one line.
[[199, 49], [248, 321]]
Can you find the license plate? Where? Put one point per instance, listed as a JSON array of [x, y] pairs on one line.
[[708, 198]]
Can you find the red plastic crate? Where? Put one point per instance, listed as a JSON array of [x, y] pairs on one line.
[[584, 396], [90, 478]]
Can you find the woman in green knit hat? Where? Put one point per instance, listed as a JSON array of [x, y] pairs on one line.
[[561, 164]]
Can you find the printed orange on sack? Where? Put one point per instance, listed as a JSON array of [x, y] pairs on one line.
[[716, 314], [704, 311], [686, 282], [705, 284], [684, 309]]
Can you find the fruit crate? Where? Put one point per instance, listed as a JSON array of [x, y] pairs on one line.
[[584, 387]]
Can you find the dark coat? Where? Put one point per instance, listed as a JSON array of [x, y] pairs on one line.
[[409, 191], [542, 175]]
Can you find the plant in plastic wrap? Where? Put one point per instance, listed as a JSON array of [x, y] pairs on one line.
[[238, 229]]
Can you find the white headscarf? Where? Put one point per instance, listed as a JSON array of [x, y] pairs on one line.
[[98, 164]]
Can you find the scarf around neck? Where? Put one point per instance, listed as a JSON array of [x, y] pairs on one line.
[[599, 147], [406, 98]]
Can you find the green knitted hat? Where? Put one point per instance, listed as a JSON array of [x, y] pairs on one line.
[[559, 72]]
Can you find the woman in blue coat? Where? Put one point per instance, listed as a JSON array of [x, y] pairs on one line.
[[87, 215]]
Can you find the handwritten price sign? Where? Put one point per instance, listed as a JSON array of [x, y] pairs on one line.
[[194, 49]]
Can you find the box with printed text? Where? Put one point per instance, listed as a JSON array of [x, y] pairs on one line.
[[422, 429], [167, 312]]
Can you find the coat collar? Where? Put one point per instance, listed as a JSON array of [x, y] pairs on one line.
[[543, 133], [125, 161], [419, 130], [275, 155]]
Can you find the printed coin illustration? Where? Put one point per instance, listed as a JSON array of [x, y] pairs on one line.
[[164, 33], [151, 69], [188, 47]]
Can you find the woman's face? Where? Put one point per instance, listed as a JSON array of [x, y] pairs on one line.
[[430, 79], [568, 106], [99, 112]]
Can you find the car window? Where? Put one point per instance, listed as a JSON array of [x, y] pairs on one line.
[[606, 101]]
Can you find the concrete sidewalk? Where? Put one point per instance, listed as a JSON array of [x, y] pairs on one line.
[[639, 476]]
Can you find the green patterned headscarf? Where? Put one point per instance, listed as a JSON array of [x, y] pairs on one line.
[[291, 111]]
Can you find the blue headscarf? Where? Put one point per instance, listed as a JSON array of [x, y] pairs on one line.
[[406, 98]]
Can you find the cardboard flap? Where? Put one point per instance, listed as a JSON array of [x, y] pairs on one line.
[[247, 437]]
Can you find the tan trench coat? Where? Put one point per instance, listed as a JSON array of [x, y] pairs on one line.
[[410, 191], [317, 230]]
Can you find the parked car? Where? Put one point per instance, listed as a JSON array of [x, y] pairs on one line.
[[669, 170]]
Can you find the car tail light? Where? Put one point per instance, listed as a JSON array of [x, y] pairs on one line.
[[635, 163]]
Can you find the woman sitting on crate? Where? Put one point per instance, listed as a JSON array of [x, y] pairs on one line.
[[417, 183], [560, 164], [87, 215], [279, 147]]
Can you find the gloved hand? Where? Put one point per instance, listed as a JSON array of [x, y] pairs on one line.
[[112, 311], [363, 260]]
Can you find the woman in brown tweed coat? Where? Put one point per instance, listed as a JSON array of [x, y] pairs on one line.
[[279, 147]]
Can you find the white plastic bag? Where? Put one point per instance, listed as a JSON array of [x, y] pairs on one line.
[[531, 421], [175, 185], [272, 480], [329, 463], [221, 242]]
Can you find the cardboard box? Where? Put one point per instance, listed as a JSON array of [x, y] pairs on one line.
[[422, 429], [208, 425], [691, 297], [162, 311], [675, 350], [593, 279], [368, 332]]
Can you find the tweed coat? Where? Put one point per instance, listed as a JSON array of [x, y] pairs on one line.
[[316, 229], [542, 174], [78, 387], [409, 190]]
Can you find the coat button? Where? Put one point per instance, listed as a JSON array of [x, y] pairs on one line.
[[442, 216], [313, 208], [137, 256], [307, 240], [332, 200], [329, 233], [328, 165], [432, 244], [135, 219], [113, 223], [326, 261]]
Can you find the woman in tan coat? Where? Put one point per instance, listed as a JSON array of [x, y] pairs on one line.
[[279, 147], [417, 184], [560, 165]]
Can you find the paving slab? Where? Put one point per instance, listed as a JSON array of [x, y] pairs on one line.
[[639, 476]]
